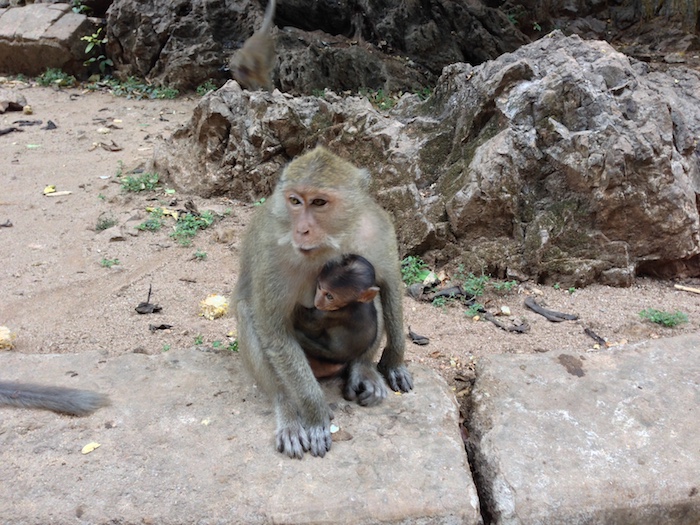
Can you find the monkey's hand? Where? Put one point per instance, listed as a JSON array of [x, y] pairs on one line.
[[294, 439], [398, 377], [364, 384]]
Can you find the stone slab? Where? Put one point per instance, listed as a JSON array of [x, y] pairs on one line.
[[30, 22], [189, 439], [40, 36], [610, 438]]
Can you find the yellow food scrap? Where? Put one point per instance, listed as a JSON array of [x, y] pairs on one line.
[[213, 307], [6, 338], [51, 188], [90, 447]]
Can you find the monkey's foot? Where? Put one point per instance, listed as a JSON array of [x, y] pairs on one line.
[[399, 378], [364, 385]]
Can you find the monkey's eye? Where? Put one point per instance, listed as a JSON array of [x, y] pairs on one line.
[[294, 201], [319, 202], [329, 296]]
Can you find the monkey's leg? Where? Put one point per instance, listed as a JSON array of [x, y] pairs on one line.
[[364, 384], [391, 364]]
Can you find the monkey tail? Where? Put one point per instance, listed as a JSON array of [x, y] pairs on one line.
[[269, 16], [62, 400]]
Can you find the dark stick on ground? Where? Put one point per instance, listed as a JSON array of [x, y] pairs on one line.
[[551, 315]]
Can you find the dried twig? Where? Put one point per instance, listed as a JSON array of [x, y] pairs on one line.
[[551, 315]]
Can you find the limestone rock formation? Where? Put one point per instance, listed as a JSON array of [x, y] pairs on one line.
[[564, 161], [335, 45]]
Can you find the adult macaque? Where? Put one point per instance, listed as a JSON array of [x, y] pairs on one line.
[[319, 210], [343, 323], [252, 65], [63, 400]]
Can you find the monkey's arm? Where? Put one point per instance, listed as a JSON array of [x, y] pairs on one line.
[[63, 400], [281, 368], [391, 364]]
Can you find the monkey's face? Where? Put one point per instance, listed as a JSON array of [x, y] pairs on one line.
[[316, 216], [329, 300]]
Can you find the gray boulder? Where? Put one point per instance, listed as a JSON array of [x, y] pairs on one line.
[[564, 161]]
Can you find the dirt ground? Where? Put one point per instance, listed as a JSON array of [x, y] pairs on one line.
[[58, 297]]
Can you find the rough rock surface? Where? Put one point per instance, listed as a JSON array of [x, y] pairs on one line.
[[343, 46], [610, 437], [564, 161], [189, 439], [40, 36]]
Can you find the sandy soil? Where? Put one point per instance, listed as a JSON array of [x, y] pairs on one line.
[[57, 297]]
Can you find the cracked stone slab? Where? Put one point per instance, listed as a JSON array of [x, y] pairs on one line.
[[611, 437], [189, 439]]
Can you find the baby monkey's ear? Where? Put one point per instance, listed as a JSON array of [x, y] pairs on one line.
[[369, 294]]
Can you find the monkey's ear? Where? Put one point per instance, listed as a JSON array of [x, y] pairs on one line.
[[369, 294]]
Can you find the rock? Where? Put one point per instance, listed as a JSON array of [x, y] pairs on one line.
[[607, 437], [393, 45], [188, 438], [10, 100], [564, 161], [40, 36]]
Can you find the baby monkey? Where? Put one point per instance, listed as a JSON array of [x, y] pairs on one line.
[[252, 65], [344, 323]]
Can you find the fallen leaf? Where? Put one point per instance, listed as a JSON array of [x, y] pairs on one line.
[[90, 447]]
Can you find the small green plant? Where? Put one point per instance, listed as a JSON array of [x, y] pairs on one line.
[[145, 182], [504, 286], [198, 340], [216, 344], [260, 202], [188, 224], [536, 26], [154, 221], [443, 300], [667, 319], [556, 286], [474, 285], [200, 255], [166, 347], [440, 302], [413, 270], [233, 346], [379, 98], [56, 77], [108, 263], [95, 45], [474, 310], [105, 222], [205, 88], [77, 6], [134, 88], [424, 93], [101, 197], [571, 290]]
